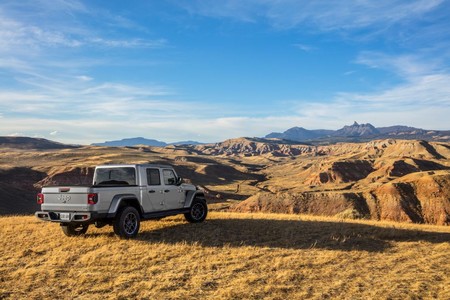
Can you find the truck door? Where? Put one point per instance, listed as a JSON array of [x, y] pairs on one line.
[[173, 195], [154, 190]]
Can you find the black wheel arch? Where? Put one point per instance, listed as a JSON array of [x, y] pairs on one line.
[[127, 201]]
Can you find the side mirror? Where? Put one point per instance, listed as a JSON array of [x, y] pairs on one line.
[[179, 181]]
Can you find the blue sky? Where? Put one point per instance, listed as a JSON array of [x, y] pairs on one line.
[[89, 71]]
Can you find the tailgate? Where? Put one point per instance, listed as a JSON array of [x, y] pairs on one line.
[[68, 198]]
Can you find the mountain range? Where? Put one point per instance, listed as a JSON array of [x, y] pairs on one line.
[[142, 141], [359, 133], [349, 133]]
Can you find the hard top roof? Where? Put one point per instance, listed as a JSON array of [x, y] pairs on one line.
[[134, 166]]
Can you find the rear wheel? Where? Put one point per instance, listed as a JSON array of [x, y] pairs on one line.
[[197, 212], [127, 222], [74, 229]]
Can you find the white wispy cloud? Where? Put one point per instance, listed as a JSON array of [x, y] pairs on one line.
[[327, 15], [306, 48], [22, 28], [68, 6], [405, 65], [50, 96], [15, 134], [127, 43], [420, 93], [422, 101], [124, 90], [44, 57], [349, 72], [15, 35], [84, 78]]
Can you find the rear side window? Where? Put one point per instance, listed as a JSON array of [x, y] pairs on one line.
[[115, 176], [153, 177]]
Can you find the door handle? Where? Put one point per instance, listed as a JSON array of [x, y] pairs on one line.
[[152, 191]]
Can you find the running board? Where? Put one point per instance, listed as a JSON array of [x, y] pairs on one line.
[[165, 213]]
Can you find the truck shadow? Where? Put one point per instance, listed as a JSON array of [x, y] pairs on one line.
[[289, 235]]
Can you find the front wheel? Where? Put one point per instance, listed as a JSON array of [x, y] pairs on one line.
[[127, 222], [197, 212], [74, 229]]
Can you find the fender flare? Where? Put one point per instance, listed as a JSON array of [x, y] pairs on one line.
[[191, 195], [117, 201]]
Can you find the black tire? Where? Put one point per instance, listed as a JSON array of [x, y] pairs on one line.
[[198, 211], [74, 229], [127, 222]]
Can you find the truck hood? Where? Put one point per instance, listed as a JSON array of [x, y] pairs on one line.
[[188, 187]]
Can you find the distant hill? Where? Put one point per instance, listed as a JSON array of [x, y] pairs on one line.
[[360, 133], [142, 141], [398, 129], [300, 134], [186, 143], [19, 142], [254, 146], [132, 142]]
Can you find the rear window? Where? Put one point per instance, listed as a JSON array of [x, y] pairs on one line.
[[115, 176], [153, 177]]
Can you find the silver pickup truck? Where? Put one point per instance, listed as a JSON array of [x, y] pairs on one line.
[[122, 196]]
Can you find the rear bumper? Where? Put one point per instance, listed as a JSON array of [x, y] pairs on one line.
[[68, 217]]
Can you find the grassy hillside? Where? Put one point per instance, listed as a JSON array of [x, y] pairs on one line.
[[230, 255]]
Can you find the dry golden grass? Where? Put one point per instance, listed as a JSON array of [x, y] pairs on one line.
[[229, 256]]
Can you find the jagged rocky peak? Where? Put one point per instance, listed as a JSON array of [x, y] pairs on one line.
[[357, 130]]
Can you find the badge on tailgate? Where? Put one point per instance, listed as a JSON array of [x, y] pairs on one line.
[[63, 198]]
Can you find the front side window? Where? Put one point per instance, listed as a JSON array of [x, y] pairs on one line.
[[169, 177], [153, 177], [115, 176]]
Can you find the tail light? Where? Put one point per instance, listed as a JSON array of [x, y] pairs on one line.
[[40, 198], [92, 198]]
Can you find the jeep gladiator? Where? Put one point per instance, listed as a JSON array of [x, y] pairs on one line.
[[122, 196]]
